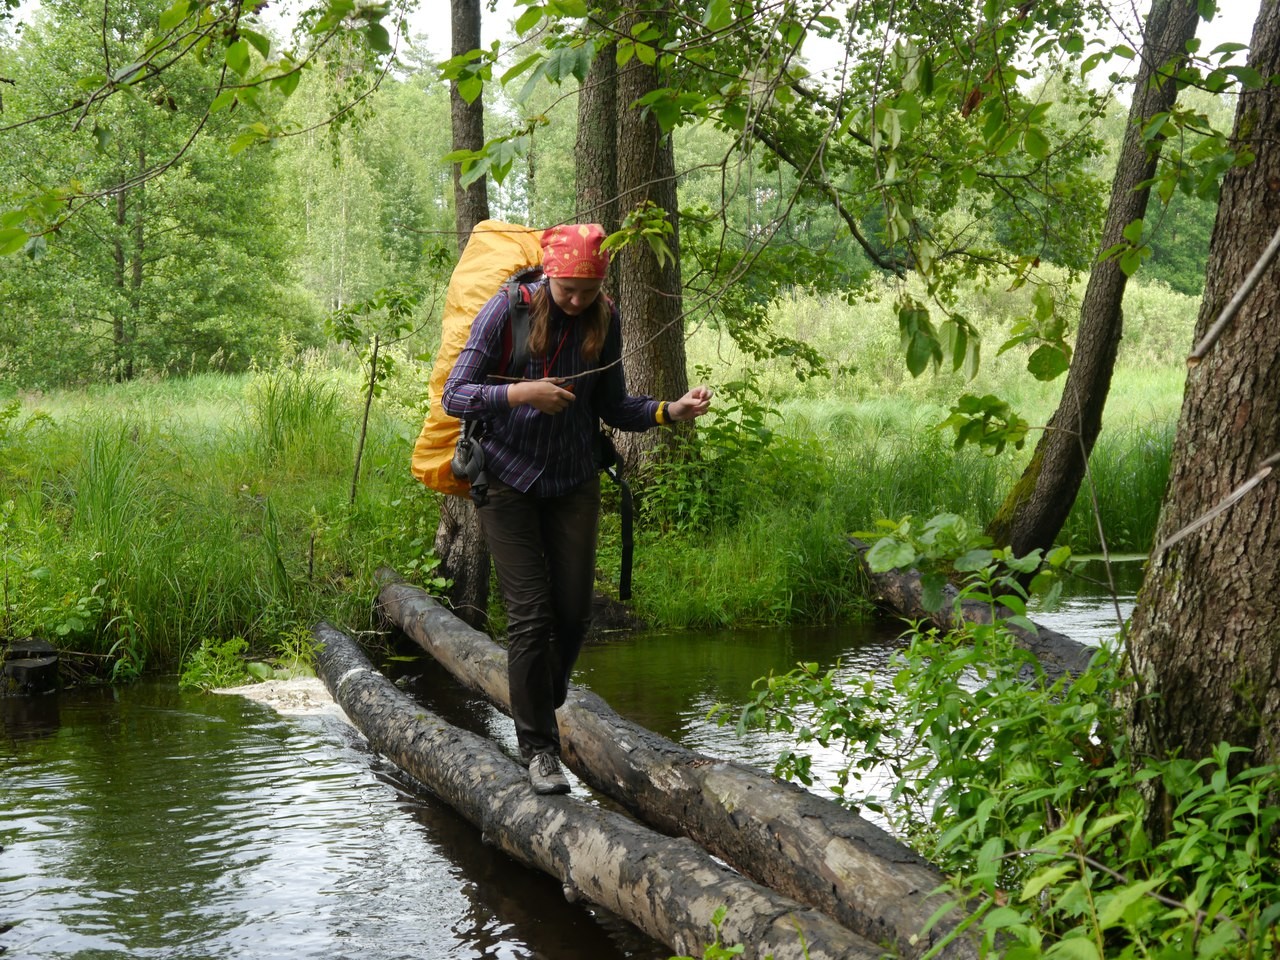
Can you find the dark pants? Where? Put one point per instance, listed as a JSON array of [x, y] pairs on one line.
[[544, 550]]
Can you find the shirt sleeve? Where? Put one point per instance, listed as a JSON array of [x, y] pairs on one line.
[[614, 405], [467, 392]]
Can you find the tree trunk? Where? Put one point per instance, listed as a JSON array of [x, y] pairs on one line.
[[1033, 513], [649, 293], [1206, 632], [668, 888], [471, 204], [595, 150], [122, 356], [801, 845], [464, 556], [901, 593], [464, 559]]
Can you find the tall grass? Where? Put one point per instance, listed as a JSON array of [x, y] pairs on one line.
[[138, 520], [138, 527]]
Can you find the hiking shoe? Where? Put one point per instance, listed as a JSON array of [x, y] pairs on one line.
[[545, 774]]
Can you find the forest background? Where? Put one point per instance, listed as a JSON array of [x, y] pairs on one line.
[[218, 322]]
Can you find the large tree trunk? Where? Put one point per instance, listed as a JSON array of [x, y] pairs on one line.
[[649, 293], [668, 888], [471, 204], [464, 556], [1035, 510], [1206, 633], [801, 845], [595, 149]]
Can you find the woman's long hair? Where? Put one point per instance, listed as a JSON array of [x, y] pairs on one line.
[[594, 320]]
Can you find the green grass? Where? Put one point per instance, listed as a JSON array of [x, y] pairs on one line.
[[141, 521], [145, 520]]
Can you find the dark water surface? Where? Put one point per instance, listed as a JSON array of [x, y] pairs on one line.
[[145, 822]]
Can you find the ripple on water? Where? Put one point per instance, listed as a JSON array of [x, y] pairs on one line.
[[147, 823]]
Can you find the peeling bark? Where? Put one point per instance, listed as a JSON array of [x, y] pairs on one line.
[[804, 846], [669, 888]]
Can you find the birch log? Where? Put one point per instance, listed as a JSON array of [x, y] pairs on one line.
[[669, 888], [804, 846]]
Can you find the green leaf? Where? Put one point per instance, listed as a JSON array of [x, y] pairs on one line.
[[12, 240], [972, 358], [1248, 77], [1036, 144], [1048, 362], [173, 16], [1044, 879], [734, 115], [529, 19], [889, 553], [1131, 259], [1113, 908], [378, 38], [223, 100], [128, 74], [919, 352], [470, 87], [237, 57], [932, 594], [973, 560], [1076, 948], [260, 671], [286, 83], [519, 68], [260, 41]]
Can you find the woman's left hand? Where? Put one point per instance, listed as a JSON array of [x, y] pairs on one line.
[[692, 405]]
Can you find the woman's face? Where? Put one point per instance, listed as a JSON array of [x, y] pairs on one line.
[[573, 295]]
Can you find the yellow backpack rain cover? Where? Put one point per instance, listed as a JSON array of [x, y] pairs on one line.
[[495, 252]]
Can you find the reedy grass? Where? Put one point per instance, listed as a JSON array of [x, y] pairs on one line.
[[127, 525], [144, 518]]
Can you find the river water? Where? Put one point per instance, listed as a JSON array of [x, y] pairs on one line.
[[146, 822]]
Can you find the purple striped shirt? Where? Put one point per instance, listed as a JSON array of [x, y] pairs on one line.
[[531, 451]]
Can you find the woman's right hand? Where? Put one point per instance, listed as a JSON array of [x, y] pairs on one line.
[[546, 395]]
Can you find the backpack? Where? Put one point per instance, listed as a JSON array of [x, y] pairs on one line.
[[447, 456], [496, 253]]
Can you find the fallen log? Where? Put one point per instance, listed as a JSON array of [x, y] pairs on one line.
[[669, 888], [804, 846], [899, 592]]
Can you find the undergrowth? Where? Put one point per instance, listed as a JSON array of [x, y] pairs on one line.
[[1026, 791]]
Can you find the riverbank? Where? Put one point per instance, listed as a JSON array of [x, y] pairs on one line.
[[144, 520]]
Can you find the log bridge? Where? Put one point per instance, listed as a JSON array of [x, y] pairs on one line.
[[798, 875]]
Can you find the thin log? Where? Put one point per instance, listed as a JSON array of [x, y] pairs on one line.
[[804, 846], [669, 888], [899, 593]]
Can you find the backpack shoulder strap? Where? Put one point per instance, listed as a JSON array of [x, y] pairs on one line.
[[518, 300]]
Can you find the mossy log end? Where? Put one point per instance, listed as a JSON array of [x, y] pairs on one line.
[[804, 846], [899, 593], [669, 888]]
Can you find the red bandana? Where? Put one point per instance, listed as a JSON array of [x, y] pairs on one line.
[[574, 251]]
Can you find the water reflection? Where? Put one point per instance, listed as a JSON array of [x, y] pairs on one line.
[[1097, 598], [153, 824], [27, 718]]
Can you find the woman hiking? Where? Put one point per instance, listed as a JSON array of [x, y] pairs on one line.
[[542, 511]]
